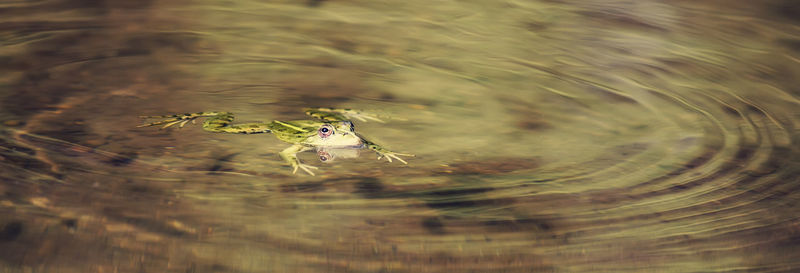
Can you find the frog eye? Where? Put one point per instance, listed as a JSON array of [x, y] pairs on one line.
[[323, 156], [325, 131]]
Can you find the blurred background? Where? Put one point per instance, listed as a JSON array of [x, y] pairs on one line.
[[550, 136]]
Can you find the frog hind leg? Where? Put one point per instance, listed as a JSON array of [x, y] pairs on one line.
[[218, 122], [326, 114], [222, 123], [290, 156], [170, 120], [336, 114]]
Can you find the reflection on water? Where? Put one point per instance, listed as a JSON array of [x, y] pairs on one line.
[[551, 136], [329, 155]]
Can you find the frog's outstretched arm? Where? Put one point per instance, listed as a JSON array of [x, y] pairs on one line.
[[334, 114], [290, 155], [218, 122], [383, 152]]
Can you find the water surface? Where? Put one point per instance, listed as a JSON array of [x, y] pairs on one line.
[[550, 136]]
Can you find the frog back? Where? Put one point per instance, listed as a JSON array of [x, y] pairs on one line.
[[294, 131]]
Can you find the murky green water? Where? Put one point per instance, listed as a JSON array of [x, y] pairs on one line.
[[551, 136]]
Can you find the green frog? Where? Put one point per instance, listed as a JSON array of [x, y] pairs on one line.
[[332, 129]]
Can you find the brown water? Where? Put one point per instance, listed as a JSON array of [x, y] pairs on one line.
[[551, 136]]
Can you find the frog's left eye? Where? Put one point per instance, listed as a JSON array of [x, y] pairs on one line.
[[325, 131]]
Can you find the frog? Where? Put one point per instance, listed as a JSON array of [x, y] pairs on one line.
[[331, 128]]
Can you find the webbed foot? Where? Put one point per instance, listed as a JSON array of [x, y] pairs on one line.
[[362, 116], [389, 155], [305, 167]]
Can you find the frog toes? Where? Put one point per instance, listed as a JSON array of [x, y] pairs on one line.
[[390, 156], [304, 167], [396, 157], [170, 123]]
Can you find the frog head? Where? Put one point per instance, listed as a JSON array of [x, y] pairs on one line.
[[335, 134]]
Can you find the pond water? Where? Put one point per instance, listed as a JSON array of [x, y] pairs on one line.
[[550, 136]]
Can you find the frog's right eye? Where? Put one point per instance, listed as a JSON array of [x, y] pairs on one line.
[[325, 131]]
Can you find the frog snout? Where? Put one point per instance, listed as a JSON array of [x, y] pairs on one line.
[[357, 139]]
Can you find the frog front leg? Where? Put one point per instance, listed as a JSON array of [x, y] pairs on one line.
[[383, 152], [290, 155]]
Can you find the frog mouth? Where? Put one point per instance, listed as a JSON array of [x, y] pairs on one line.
[[354, 145], [359, 145]]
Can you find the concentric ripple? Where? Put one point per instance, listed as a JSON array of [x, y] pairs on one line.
[[550, 136]]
